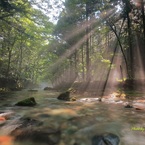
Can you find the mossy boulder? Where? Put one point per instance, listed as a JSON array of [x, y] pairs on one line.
[[27, 102], [66, 97]]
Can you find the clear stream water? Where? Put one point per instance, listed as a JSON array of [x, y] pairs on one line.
[[78, 121]]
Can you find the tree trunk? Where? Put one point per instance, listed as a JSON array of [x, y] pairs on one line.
[[9, 61], [130, 49], [83, 66], [119, 42], [87, 45], [143, 17]]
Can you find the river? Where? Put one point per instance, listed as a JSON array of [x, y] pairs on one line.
[[70, 123]]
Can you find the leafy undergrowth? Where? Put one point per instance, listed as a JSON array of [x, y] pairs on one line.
[[4, 90]]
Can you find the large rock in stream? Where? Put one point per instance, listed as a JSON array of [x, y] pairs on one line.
[[105, 139], [27, 102], [66, 97]]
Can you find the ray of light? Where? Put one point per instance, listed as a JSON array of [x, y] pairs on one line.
[[72, 49], [93, 21], [138, 65]]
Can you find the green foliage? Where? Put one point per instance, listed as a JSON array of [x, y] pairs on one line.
[[25, 33], [82, 41]]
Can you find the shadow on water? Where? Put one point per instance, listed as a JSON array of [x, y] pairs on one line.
[[69, 122]]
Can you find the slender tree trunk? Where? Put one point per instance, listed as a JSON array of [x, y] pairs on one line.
[[143, 17], [75, 61], [20, 61], [21, 55], [9, 60], [115, 49], [119, 42], [70, 67], [83, 66], [127, 10], [130, 49], [87, 45]]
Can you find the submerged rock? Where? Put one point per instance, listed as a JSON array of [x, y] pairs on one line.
[[31, 130], [105, 139], [27, 102], [32, 90], [48, 88], [26, 121], [128, 106], [36, 136]]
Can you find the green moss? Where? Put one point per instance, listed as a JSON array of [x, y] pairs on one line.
[[73, 99], [27, 102]]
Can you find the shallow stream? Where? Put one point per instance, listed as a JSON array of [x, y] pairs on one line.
[[77, 121]]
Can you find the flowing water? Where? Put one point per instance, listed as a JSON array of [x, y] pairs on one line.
[[76, 121]]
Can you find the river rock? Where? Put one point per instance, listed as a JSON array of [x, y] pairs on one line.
[[128, 106], [140, 101], [105, 139], [27, 102], [35, 136], [6, 114], [31, 90], [48, 88], [139, 106], [26, 121], [66, 97], [30, 129]]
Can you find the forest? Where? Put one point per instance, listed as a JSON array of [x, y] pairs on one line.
[[91, 50], [65, 42]]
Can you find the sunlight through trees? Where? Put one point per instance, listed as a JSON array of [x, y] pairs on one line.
[[63, 42]]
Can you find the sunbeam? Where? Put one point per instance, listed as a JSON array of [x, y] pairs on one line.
[[138, 65], [81, 27], [93, 21]]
